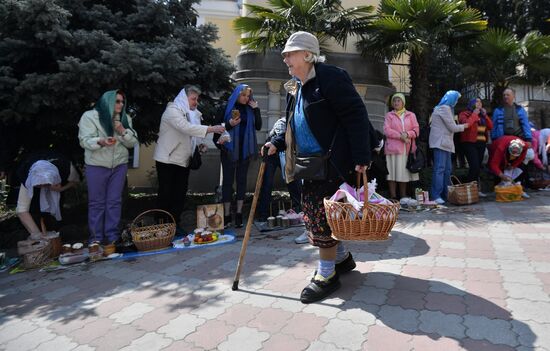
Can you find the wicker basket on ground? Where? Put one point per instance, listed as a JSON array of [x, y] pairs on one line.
[[373, 223], [38, 254], [462, 193], [153, 236]]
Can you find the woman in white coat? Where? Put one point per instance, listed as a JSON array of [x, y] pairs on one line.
[[179, 126]]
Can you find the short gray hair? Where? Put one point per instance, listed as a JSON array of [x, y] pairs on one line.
[[314, 58], [511, 89], [192, 89]]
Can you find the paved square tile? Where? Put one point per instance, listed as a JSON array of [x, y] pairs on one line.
[[472, 281]]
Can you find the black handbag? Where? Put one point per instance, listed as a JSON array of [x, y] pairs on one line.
[[415, 160], [313, 167], [195, 161]]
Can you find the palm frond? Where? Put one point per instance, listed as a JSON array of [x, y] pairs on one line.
[[497, 44], [324, 18]]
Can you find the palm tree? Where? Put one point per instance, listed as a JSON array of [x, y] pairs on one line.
[[269, 27], [500, 57], [413, 27]]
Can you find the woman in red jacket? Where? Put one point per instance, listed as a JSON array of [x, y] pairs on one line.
[[505, 153], [474, 138]]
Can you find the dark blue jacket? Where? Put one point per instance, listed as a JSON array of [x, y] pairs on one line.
[[498, 121], [334, 109]]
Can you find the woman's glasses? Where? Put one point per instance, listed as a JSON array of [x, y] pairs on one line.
[[119, 101]]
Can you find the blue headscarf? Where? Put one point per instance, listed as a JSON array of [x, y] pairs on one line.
[[472, 104], [250, 145], [450, 99]]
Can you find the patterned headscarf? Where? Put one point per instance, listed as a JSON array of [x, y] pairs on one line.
[[516, 147]]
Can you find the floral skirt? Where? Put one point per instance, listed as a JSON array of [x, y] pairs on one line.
[[313, 193]]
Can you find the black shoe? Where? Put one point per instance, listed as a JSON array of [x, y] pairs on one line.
[[346, 265], [226, 221], [319, 289], [238, 220]]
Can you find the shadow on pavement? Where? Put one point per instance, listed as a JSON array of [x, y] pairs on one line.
[[427, 307], [433, 308]]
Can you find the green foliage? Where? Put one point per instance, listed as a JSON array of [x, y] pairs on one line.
[[411, 27], [419, 28], [517, 16], [269, 27], [499, 57], [58, 56]]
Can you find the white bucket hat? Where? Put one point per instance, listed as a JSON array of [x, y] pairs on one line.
[[302, 41]]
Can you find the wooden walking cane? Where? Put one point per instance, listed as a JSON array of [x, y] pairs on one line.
[[250, 221]]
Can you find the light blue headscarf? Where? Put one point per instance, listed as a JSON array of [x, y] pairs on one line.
[[450, 98]]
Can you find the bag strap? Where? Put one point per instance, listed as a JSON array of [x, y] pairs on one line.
[[455, 180]]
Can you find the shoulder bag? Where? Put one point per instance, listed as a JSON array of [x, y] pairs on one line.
[[313, 167], [195, 161], [415, 160]]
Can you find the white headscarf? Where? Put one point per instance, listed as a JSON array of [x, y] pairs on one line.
[[44, 172], [182, 102]]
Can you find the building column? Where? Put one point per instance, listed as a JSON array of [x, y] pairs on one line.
[[273, 102]]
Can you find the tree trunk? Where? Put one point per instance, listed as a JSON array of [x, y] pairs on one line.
[[420, 87], [498, 90]]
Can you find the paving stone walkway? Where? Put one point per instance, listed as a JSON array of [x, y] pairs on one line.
[[461, 280]]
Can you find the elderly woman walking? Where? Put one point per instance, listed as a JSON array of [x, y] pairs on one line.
[[401, 129], [325, 115], [443, 127], [106, 134]]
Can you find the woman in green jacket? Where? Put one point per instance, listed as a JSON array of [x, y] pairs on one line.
[[106, 134]]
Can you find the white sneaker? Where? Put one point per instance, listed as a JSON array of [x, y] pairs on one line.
[[439, 201], [481, 194], [302, 239], [525, 195]]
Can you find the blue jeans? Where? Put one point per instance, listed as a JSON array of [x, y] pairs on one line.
[[441, 175]]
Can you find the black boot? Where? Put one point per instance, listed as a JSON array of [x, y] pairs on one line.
[[227, 221], [238, 220], [346, 265]]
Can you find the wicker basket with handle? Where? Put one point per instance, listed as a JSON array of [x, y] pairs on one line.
[[155, 236], [462, 193], [374, 222]]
